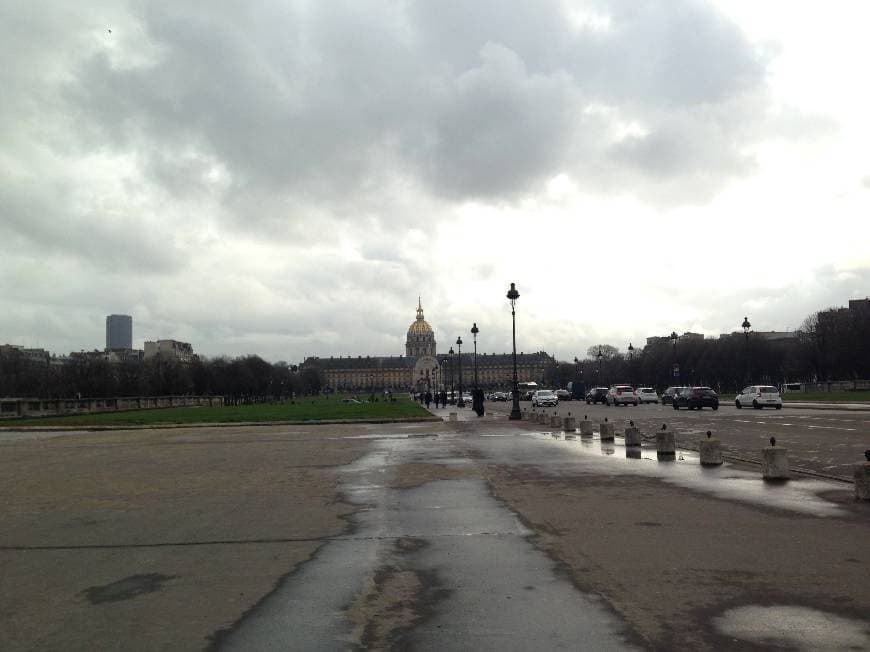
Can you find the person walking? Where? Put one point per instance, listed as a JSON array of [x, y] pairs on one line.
[[437, 399], [428, 398]]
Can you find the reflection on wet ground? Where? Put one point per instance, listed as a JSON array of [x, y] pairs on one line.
[[686, 471]]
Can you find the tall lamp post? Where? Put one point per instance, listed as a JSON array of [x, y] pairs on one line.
[[630, 363], [746, 326], [461, 401], [452, 389], [598, 371], [513, 295], [474, 331], [675, 373]]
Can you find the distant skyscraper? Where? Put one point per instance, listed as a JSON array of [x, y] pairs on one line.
[[119, 332]]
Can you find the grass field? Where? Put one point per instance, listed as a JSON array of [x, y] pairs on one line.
[[303, 409]]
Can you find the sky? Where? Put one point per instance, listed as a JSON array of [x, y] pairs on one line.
[[287, 178]]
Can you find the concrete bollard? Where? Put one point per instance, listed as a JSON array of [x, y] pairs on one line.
[[543, 418], [569, 424], [586, 429], [606, 429], [862, 479], [524, 415], [774, 462], [632, 435], [556, 422], [454, 416], [666, 445], [710, 450]]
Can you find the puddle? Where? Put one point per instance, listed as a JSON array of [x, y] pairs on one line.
[[794, 628], [686, 471]]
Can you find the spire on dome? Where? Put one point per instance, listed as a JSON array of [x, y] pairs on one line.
[[419, 309]]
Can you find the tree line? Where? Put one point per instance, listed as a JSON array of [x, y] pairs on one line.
[[831, 345], [244, 379]]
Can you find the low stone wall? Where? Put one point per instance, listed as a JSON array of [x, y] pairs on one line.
[[14, 408]]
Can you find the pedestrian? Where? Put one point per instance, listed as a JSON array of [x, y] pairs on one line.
[[443, 398], [436, 397], [428, 398]]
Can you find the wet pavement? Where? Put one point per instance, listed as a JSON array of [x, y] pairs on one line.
[[483, 533], [455, 542]]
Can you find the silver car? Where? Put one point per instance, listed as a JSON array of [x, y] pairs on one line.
[[545, 398]]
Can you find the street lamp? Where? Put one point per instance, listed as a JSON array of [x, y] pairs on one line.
[[746, 326], [474, 331], [630, 363], [452, 388], [461, 402], [598, 371], [513, 295]]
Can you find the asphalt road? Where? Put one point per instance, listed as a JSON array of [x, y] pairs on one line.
[[485, 534], [826, 442]]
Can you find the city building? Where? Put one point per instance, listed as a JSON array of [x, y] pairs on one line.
[[423, 368], [119, 332], [170, 349]]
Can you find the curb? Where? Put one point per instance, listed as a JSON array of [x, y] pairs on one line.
[[222, 424]]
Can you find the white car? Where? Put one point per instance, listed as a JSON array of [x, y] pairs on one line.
[[622, 395], [544, 398], [647, 395], [758, 396]]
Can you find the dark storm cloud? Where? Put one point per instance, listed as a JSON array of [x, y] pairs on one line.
[[324, 102]]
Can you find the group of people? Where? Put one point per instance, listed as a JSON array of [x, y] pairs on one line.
[[477, 399]]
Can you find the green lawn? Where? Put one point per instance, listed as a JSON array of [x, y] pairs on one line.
[[859, 396], [303, 409]]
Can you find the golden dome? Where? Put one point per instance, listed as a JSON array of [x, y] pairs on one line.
[[420, 325]]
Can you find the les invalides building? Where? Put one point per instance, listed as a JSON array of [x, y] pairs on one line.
[[422, 367]]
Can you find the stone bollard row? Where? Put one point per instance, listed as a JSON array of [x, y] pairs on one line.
[[569, 424], [586, 428]]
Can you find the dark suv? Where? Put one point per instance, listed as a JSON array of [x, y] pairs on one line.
[[597, 395], [696, 398], [668, 394]]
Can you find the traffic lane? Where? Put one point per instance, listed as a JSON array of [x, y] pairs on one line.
[[823, 442]]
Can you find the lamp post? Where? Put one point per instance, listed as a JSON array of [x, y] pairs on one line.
[[460, 402], [474, 331], [746, 326], [675, 366], [631, 364], [513, 295], [598, 371], [452, 388]]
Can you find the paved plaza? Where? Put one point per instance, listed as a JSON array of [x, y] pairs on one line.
[[481, 533]]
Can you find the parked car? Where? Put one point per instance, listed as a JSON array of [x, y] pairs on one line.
[[668, 394], [622, 395], [647, 395], [597, 395], [759, 396], [545, 398], [696, 398], [563, 394]]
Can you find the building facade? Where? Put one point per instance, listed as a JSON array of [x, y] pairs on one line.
[[423, 368], [119, 332], [170, 349]]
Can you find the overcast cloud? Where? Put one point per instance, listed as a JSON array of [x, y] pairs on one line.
[[285, 178]]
